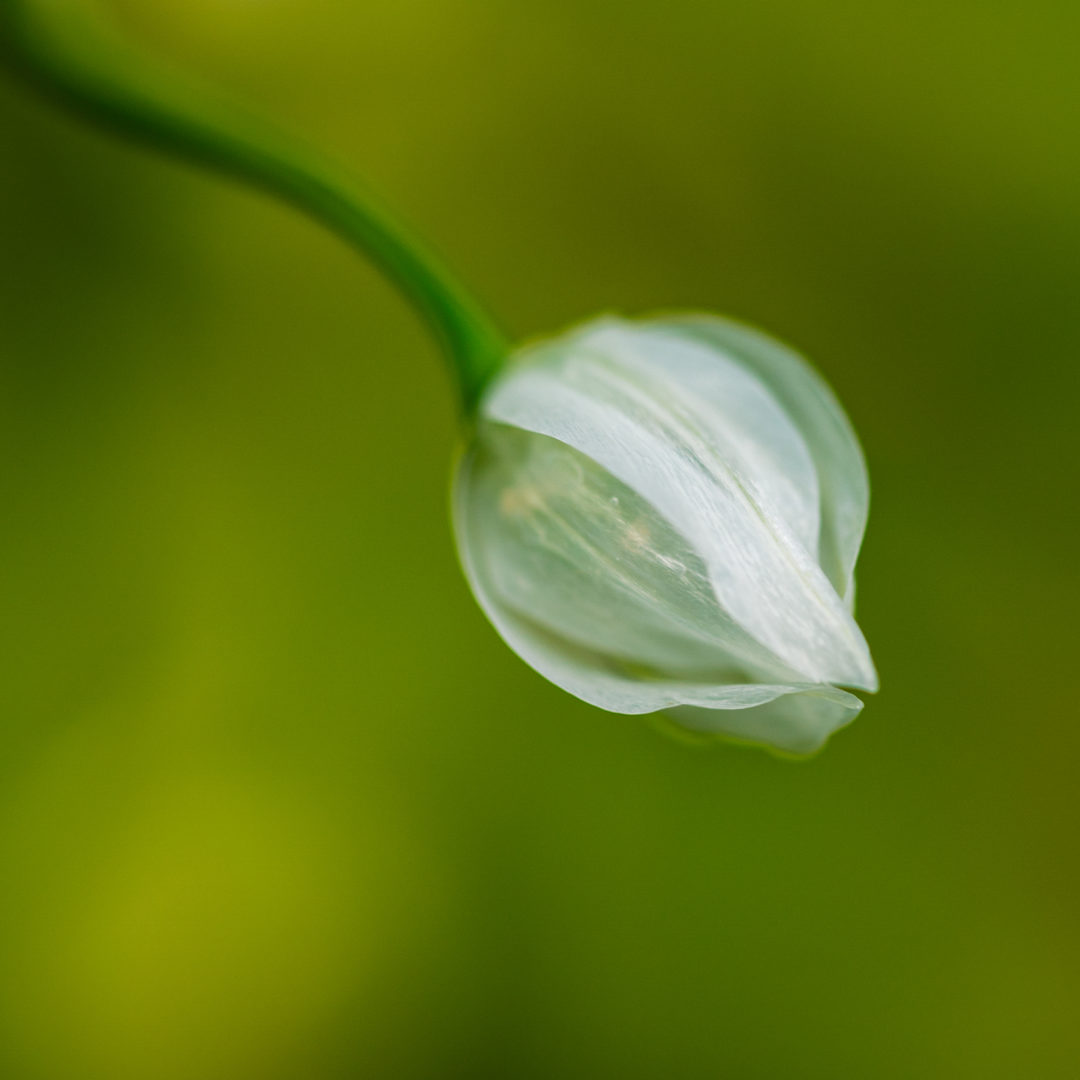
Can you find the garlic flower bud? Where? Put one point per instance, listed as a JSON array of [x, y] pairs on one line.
[[664, 515]]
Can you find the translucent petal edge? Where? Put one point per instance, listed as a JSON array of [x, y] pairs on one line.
[[795, 719], [538, 397], [817, 412]]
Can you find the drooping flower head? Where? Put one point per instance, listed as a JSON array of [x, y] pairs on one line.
[[658, 516], [664, 515]]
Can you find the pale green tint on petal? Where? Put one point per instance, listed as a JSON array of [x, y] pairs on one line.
[[816, 412], [555, 539], [792, 718], [578, 391], [798, 722], [717, 401]]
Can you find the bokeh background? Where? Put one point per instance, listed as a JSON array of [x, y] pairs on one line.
[[275, 801]]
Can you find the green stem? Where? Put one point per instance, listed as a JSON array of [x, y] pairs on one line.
[[74, 57]]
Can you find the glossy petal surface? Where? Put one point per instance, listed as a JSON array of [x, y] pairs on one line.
[[644, 520]]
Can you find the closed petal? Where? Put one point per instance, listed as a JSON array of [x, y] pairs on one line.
[[584, 392], [728, 407], [798, 722], [814, 409], [793, 718], [552, 537]]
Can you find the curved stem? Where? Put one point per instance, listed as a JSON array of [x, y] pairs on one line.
[[74, 57]]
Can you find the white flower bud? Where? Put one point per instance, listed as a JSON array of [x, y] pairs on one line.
[[665, 515]]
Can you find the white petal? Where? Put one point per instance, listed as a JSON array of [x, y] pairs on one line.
[[728, 406], [793, 718], [760, 572], [825, 427], [553, 538], [797, 723]]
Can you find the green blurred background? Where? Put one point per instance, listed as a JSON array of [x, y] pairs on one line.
[[275, 801]]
